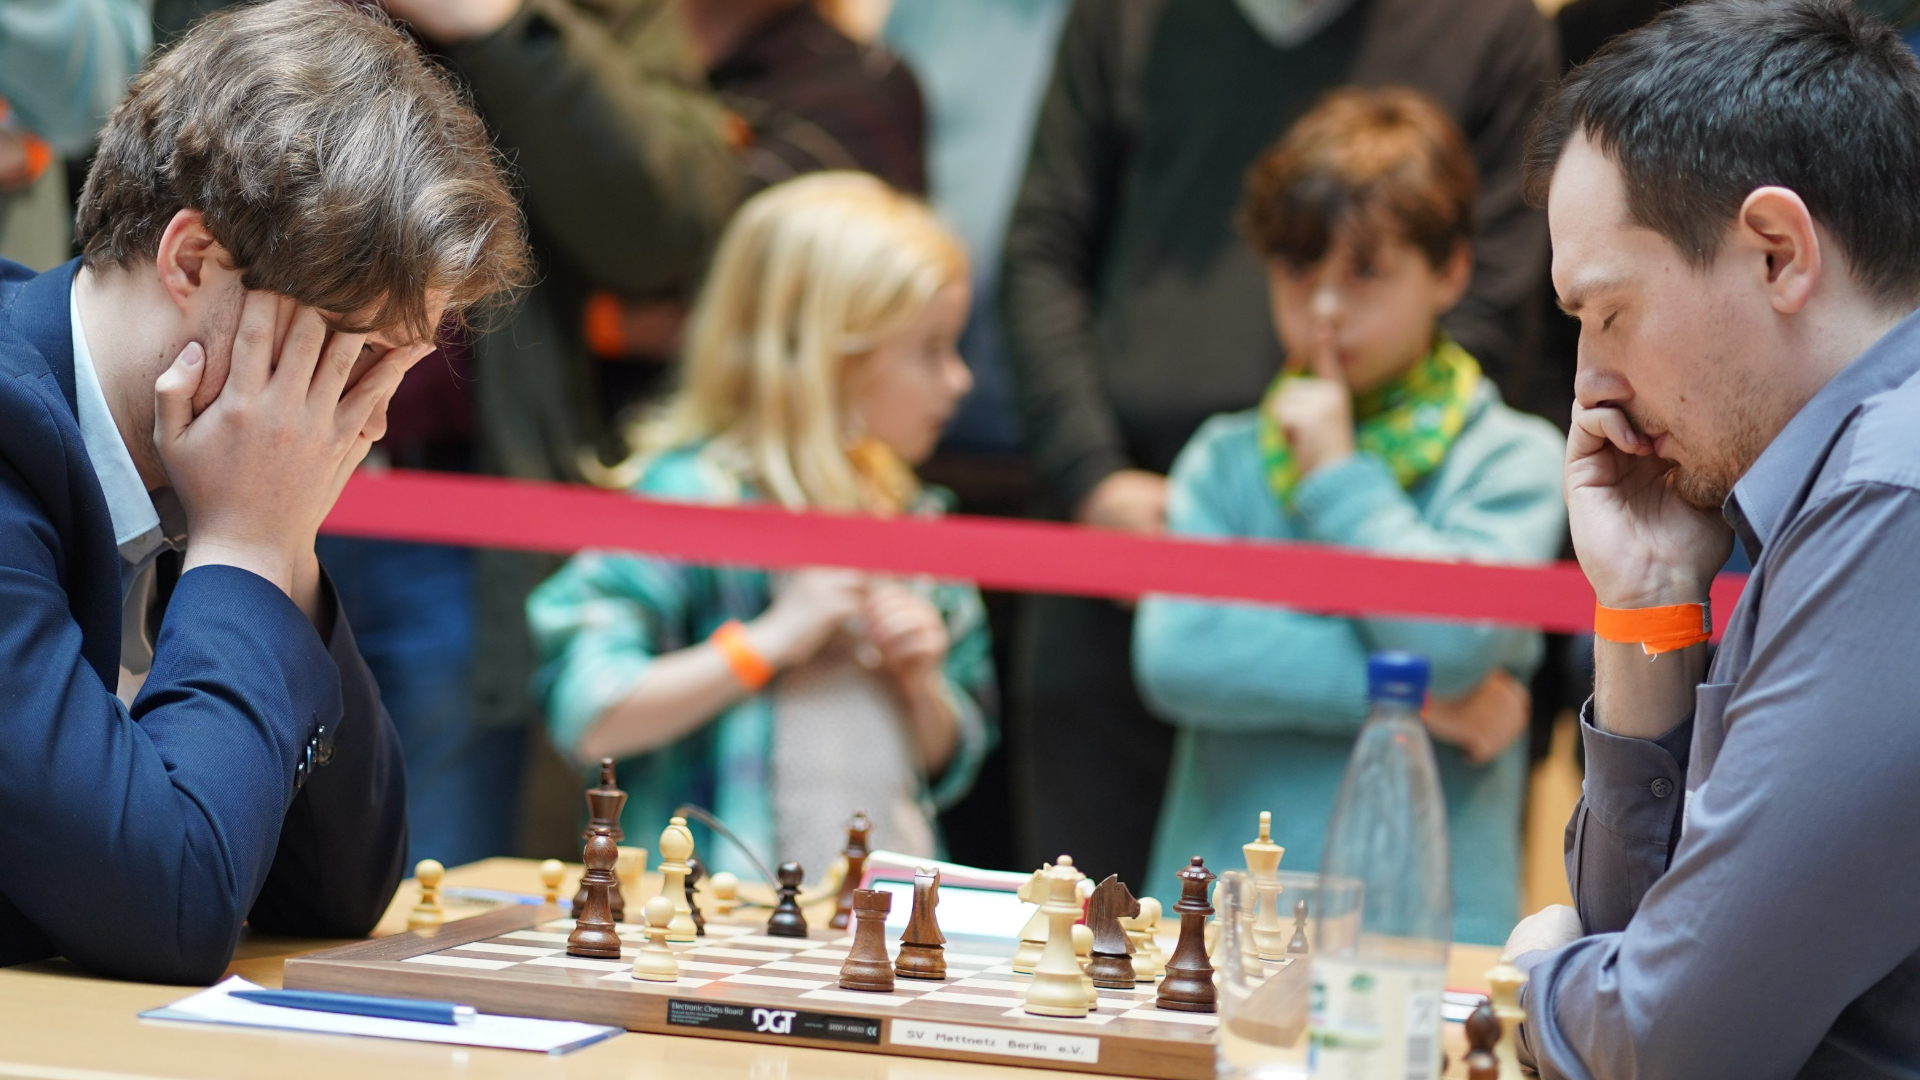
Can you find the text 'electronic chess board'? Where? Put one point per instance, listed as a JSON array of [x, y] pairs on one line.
[[738, 983]]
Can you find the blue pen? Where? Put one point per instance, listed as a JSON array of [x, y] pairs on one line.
[[425, 1012]]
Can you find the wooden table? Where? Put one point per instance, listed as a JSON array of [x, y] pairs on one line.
[[57, 1023]]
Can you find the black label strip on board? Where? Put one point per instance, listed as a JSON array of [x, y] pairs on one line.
[[789, 1023]]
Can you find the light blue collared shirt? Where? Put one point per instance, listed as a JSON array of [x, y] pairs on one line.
[[136, 514]]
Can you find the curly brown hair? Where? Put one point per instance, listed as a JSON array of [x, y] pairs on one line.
[[1364, 164], [329, 159]]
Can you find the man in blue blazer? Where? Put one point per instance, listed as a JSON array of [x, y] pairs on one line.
[[287, 205]]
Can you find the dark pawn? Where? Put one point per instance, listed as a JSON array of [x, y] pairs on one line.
[[593, 934], [1298, 946], [695, 871], [1483, 1031], [604, 804], [923, 953], [868, 966], [1188, 986], [787, 920], [857, 832], [1111, 964]]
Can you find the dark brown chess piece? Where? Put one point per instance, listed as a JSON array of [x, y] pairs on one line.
[[1298, 945], [593, 933], [787, 920], [1483, 1032], [1111, 963], [695, 871], [867, 966], [923, 953], [1188, 986], [604, 804], [857, 832]]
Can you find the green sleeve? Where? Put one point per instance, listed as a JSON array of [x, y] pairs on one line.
[[1509, 510], [596, 626], [1237, 667], [628, 175], [971, 690]]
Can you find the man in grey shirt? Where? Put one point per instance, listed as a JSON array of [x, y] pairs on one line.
[[1734, 220]]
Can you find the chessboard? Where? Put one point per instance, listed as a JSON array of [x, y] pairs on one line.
[[738, 983]]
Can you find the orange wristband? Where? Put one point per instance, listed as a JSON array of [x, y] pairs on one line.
[[748, 665], [1654, 629]]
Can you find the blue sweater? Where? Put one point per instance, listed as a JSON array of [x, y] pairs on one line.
[[1268, 701]]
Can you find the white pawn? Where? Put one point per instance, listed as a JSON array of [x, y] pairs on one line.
[[655, 961], [628, 868], [1059, 986], [676, 844], [726, 894], [1083, 952], [1150, 922], [427, 914]]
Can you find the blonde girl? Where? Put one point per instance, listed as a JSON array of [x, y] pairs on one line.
[[820, 367]]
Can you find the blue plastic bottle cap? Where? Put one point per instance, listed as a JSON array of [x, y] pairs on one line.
[[1397, 676]]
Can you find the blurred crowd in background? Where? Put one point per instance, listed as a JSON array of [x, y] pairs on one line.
[[1090, 157]]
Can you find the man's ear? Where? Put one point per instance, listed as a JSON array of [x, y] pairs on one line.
[[192, 266], [1775, 229]]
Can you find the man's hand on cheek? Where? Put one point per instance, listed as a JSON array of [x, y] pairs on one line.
[[258, 469], [380, 366]]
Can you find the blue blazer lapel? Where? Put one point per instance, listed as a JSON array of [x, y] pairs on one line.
[[38, 310]]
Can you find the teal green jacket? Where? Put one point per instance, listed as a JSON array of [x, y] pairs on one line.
[[599, 621], [1268, 701]]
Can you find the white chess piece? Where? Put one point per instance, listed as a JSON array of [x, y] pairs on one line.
[[1270, 934], [1150, 922], [676, 846], [1083, 952], [1505, 980], [1059, 986], [628, 868], [427, 914], [1033, 936], [655, 961], [726, 894]]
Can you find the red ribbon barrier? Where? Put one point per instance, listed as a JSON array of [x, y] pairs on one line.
[[996, 553]]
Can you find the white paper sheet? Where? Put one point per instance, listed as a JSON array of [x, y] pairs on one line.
[[216, 1005]]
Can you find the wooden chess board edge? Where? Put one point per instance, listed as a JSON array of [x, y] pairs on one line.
[[369, 967]]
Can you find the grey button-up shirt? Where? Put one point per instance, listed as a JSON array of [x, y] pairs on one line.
[[1751, 879]]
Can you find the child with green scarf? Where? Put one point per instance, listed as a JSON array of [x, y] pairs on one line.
[[1380, 434]]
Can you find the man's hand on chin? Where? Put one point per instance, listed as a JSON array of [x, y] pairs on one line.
[[1549, 928]]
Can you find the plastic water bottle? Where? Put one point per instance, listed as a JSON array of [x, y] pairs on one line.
[[1385, 912]]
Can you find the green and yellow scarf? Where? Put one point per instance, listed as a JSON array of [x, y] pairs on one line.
[[1409, 423]]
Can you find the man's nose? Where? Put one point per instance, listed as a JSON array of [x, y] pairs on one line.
[[1594, 384]]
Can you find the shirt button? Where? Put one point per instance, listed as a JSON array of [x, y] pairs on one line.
[[1662, 787]]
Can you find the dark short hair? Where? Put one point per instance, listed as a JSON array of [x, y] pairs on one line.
[[324, 153], [1718, 97], [1370, 164]]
